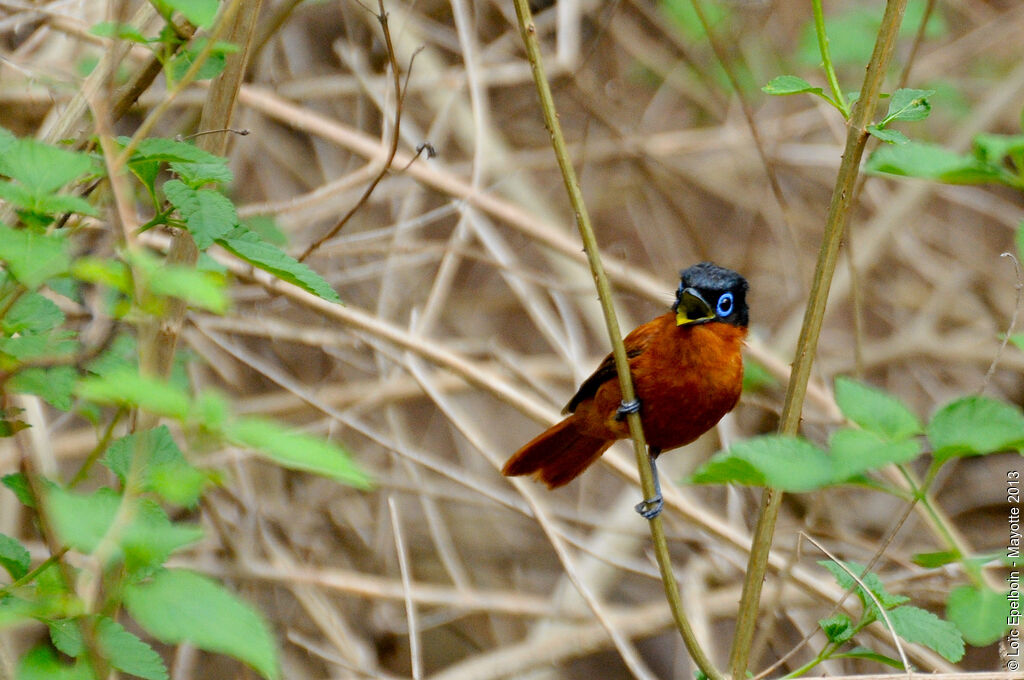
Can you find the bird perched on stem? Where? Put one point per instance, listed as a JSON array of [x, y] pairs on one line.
[[687, 373]]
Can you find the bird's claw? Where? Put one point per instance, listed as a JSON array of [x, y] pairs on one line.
[[627, 407], [649, 508]]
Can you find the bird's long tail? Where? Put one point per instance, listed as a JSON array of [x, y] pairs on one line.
[[557, 455]]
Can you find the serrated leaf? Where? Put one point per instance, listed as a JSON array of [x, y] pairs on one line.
[[296, 450], [125, 387], [208, 214], [257, 252], [32, 257], [927, 161], [854, 452], [837, 628], [785, 85], [167, 473], [198, 174], [918, 625], [32, 313], [781, 462], [14, 557], [42, 168], [870, 580], [908, 104], [166, 150], [181, 606], [126, 652], [975, 426], [54, 384], [887, 135], [876, 411], [980, 614], [55, 204]]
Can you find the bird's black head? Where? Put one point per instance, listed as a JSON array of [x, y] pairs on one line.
[[708, 292]]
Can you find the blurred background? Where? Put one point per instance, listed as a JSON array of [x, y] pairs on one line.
[[471, 315]]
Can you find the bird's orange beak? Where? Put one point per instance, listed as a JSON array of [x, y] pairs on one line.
[[692, 309]]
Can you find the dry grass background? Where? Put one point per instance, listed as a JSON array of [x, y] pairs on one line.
[[471, 315]]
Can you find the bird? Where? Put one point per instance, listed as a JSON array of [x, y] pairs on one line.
[[687, 370]]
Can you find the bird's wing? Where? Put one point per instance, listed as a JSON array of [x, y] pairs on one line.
[[636, 342]]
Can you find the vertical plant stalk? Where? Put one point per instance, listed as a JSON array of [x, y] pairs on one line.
[[158, 340], [529, 35], [814, 315], [826, 61]]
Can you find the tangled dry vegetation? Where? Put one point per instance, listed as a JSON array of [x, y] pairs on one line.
[[470, 315]]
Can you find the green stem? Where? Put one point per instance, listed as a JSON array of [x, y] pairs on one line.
[[826, 61], [814, 316], [529, 35]]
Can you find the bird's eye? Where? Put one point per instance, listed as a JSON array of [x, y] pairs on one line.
[[724, 307]]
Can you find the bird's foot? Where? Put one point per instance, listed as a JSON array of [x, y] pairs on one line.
[[627, 407], [649, 508]]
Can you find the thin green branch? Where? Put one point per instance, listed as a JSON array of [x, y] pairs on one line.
[[814, 315], [838, 99], [529, 35]]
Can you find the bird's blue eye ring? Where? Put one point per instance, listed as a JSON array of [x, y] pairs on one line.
[[724, 307]]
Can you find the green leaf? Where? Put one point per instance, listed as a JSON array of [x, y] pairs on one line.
[[296, 451], [115, 29], [1018, 340], [199, 12], [886, 135], [858, 451], [108, 272], [756, 376], [870, 580], [125, 387], [198, 174], [82, 520], [32, 313], [42, 168], [202, 289], [208, 214], [923, 627], [121, 649], [787, 463], [933, 560], [41, 663], [126, 652], [18, 485], [211, 68], [837, 628], [14, 558], [785, 85], [250, 247], [181, 606], [167, 473], [927, 161], [908, 104], [980, 614], [146, 537], [166, 150], [974, 426], [876, 411], [54, 385], [55, 204], [994, 148], [32, 257]]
